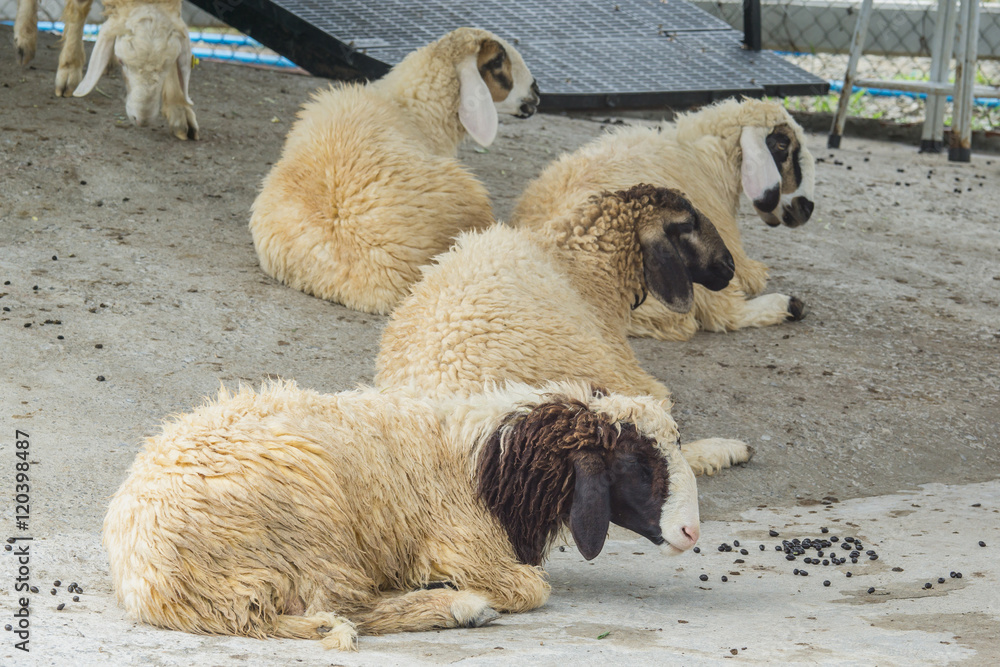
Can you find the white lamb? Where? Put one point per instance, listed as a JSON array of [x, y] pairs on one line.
[[368, 188], [709, 155], [553, 303], [151, 42], [289, 513]]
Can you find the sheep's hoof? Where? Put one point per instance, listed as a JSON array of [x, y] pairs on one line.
[[67, 79], [750, 452], [472, 611], [25, 54], [343, 637], [796, 309], [183, 128]]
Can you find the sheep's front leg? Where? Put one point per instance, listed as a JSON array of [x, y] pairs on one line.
[[708, 456], [423, 610], [179, 114], [72, 56], [729, 309], [26, 30]]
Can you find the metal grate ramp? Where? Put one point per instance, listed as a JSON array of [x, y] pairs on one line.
[[585, 54]]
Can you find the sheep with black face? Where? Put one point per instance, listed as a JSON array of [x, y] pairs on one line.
[[554, 302], [289, 513], [368, 188], [711, 155]]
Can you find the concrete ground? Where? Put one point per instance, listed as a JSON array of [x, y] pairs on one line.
[[130, 289]]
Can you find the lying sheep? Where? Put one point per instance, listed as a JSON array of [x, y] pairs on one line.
[[554, 302], [368, 188], [289, 513], [709, 155], [151, 42]]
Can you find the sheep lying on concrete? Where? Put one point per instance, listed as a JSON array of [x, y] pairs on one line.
[[709, 155], [554, 302], [289, 513], [368, 188], [151, 42]]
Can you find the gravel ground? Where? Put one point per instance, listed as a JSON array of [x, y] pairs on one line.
[[130, 289]]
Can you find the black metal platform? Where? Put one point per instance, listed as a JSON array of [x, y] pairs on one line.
[[585, 54]]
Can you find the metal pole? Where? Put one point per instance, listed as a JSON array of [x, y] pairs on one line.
[[751, 25], [857, 44], [960, 144], [941, 50]]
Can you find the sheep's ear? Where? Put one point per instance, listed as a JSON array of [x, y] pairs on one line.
[[590, 514], [475, 107], [99, 58], [761, 179], [184, 66], [667, 275]]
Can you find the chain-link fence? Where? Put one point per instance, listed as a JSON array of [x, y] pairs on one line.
[[814, 34]]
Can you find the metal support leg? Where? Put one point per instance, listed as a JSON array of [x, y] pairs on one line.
[[942, 47], [960, 145], [857, 44]]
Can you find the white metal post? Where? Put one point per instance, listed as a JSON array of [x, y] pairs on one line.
[[857, 45]]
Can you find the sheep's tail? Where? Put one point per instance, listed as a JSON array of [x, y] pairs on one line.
[[333, 631]]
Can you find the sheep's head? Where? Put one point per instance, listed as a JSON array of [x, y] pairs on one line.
[[493, 79], [679, 245], [589, 461], [151, 46], [778, 173]]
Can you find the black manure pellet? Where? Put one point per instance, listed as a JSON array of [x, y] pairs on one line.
[[33, 589], [854, 560], [819, 553], [52, 592], [870, 552], [803, 573], [7, 547], [951, 574], [777, 547], [736, 543], [790, 557], [848, 539], [772, 533], [977, 504], [871, 590], [795, 571], [62, 605], [739, 560], [8, 627], [57, 583], [761, 547], [704, 577], [897, 569], [981, 543], [834, 539], [76, 598], [940, 580], [958, 575], [697, 550], [826, 582], [849, 574], [927, 585], [721, 548], [826, 562], [873, 557], [725, 578], [824, 530], [79, 590], [100, 378], [744, 552]]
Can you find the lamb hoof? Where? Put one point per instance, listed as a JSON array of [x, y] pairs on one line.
[[343, 637], [25, 54], [472, 611], [751, 450], [67, 79], [796, 309]]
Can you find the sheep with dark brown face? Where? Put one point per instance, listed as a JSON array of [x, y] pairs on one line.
[[555, 302], [289, 513], [713, 156]]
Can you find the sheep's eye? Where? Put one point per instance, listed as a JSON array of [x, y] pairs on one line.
[[685, 227], [778, 142]]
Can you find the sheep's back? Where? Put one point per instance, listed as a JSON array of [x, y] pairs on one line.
[[494, 308]]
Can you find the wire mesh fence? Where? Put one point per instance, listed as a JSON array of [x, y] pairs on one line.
[[814, 34]]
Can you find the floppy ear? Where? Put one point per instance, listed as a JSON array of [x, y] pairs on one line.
[[475, 108], [667, 275], [184, 66], [590, 515], [99, 58], [761, 179]]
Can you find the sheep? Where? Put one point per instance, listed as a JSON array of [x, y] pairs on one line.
[[707, 155], [289, 513], [151, 42], [368, 188], [553, 303]]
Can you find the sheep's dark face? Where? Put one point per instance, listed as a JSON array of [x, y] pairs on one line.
[[513, 89], [680, 246], [796, 170], [614, 461]]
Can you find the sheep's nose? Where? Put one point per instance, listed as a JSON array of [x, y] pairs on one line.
[[692, 533]]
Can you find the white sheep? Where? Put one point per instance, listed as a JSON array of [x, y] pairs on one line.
[[709, 155], [553, 303], [289, 513], [151, 42], [368, 188]]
